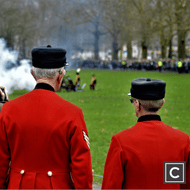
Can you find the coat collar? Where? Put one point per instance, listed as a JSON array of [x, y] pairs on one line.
[[149, 117], [44, 86]]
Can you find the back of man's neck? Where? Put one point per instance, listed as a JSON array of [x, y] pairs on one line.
[[147, 113], [46, 81]]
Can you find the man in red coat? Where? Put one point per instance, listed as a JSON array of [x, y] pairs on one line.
[[136, 155], [44, 138]]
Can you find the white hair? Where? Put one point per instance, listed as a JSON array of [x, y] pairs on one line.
[[49, 73], [151, 105]]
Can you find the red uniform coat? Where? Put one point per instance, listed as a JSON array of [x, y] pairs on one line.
[[45, 138], [136, 155]]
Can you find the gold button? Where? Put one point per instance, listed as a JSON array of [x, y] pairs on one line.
[[50, 173], [22, 172]]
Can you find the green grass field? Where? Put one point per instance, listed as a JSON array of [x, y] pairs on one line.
[[108, 110]]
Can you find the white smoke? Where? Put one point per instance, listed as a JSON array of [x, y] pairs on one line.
[[18, 77]]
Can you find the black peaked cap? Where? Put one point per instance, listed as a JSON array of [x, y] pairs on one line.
[[148, 89], [48, 57]]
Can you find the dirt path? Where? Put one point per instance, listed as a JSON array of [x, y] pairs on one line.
[[96, 186]]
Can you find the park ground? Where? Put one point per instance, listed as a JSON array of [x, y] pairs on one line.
[[108, 110]]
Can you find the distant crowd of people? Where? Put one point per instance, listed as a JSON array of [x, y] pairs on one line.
[[181, 66]]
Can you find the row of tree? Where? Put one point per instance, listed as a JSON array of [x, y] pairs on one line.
[[26, 23]]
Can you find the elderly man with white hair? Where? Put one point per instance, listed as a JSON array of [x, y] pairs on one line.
[[44, 141], [137, 156]]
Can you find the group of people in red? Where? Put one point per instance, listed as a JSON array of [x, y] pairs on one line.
[[44, 142]]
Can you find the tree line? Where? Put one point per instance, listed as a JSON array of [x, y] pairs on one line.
[[25, 24]]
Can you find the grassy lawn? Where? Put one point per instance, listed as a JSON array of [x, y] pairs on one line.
[[108, 110]]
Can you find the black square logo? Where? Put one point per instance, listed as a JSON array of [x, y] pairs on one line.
[[174, 172]]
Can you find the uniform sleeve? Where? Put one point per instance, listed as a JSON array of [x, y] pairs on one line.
[[81, 166], [4, 155], [187, 155], [113, 170]]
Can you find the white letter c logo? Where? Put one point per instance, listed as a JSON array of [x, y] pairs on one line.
[[171, 170]]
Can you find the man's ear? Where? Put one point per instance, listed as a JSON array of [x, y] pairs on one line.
[[60, 77], [163, 102], [31, 71], [139, 106]]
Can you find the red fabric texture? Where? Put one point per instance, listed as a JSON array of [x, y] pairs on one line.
[[41, 132], [136, 155]]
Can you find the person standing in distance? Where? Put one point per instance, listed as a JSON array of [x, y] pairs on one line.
[[136, 155], [93, 82], [43, 136], [4, 96], [160, 65]]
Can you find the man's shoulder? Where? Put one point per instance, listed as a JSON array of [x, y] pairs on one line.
[[16, 100], [178, 133], [69, 105], [138, 130], [126, 132], [37, 97]]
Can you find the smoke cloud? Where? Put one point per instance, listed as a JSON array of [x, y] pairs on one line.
[[13, 76]]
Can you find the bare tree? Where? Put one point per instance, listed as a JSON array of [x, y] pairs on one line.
[[8, 15], [128, 27], [88, 13], [182, 11], [163, 24], [144, 29], [112, 23]]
